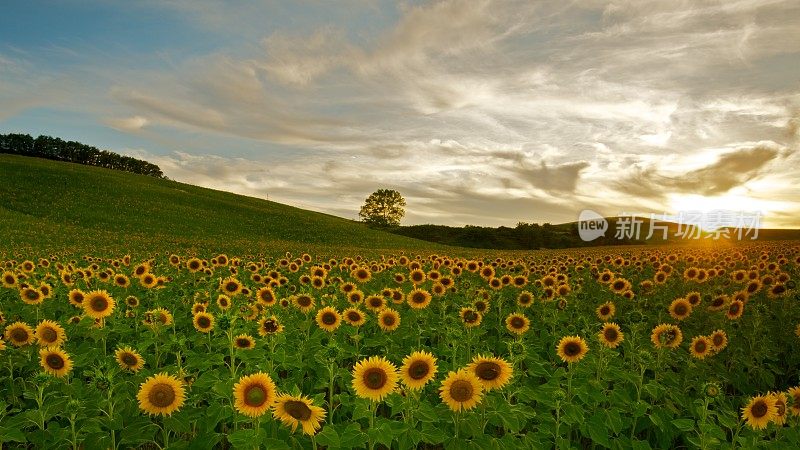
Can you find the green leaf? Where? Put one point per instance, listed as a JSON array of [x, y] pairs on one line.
[[11, 435], [328, 437], [684, 424], [598, 430]]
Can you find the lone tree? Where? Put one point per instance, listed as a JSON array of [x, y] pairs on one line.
[[384, 207]]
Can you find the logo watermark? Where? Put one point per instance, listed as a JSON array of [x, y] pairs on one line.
[[591, 225], [715, 225]]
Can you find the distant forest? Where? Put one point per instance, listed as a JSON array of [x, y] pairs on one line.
[[525, 236], [70, 151]]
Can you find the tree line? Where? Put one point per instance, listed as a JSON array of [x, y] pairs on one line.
[[70, 151]]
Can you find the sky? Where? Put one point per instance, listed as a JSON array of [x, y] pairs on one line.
[[478, 112]]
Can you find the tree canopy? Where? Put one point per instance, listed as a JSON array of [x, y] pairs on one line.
[[70, 151], [384, 207]]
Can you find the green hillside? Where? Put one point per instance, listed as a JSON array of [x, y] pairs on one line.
[[64, 206]]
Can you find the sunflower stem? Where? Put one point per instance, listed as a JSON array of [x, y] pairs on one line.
[[372, 411]]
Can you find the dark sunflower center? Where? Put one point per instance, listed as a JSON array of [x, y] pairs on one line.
[[270, 326], [487, 370], [9, 279], [376, 302], [388, 320], [161, 395], [605, 310], [354, 316], [470, 316], [461, 390], [717, 339], [760, 409], [611, 334], [231, 287], [242, 343], [734, 308], [572, 348], [19, 335], [304, 301], [203, 322], [700, 347], [298, 410], [418, 370], [98, 304], [55, 361], [49, 335], [329, 318], [30, 294], [255, 395], [418, 298], [681, 309], [517, 322], [525, 299], [781, 408], [194, 265], [375, 378], [129, 359]]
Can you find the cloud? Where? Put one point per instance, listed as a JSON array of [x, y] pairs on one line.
[[730, 170], [128, 124]]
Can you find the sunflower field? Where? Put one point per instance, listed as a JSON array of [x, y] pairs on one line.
[[619, 347]]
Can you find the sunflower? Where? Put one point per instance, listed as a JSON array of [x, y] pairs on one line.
[[304, 302], [492, 372], [161, 394], [298, 410], [794, 392], [719, 340], [606, 311], [50, 334], [361, 274], [254, 394], [354, 317], [266, 296], [329, 319], [244, 342], [461, 390], [374, 378], [571, 349], [701, 347], [148, 280], [517, 323], [203, 322], [388, 319], [418, 369], [19, 334], [760, 411], [611, 335], [666, 336], [230, 286], [269, 326], [224, 302], [199, 307], [194, 264], [735, 310], [129, 359], [781, 409], [2, 344], [55, 361], [680, 309], [98, 304], [355, 297], [470, 317], [375, 302], [160, 316], [418, 299], [525, 299], [9, 279], [417, 276], [132, 301], [31, 296]]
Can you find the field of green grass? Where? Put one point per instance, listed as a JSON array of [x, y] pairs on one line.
[[49, 205]]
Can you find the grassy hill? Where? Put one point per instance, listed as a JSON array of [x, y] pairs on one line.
[[62, 206]]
